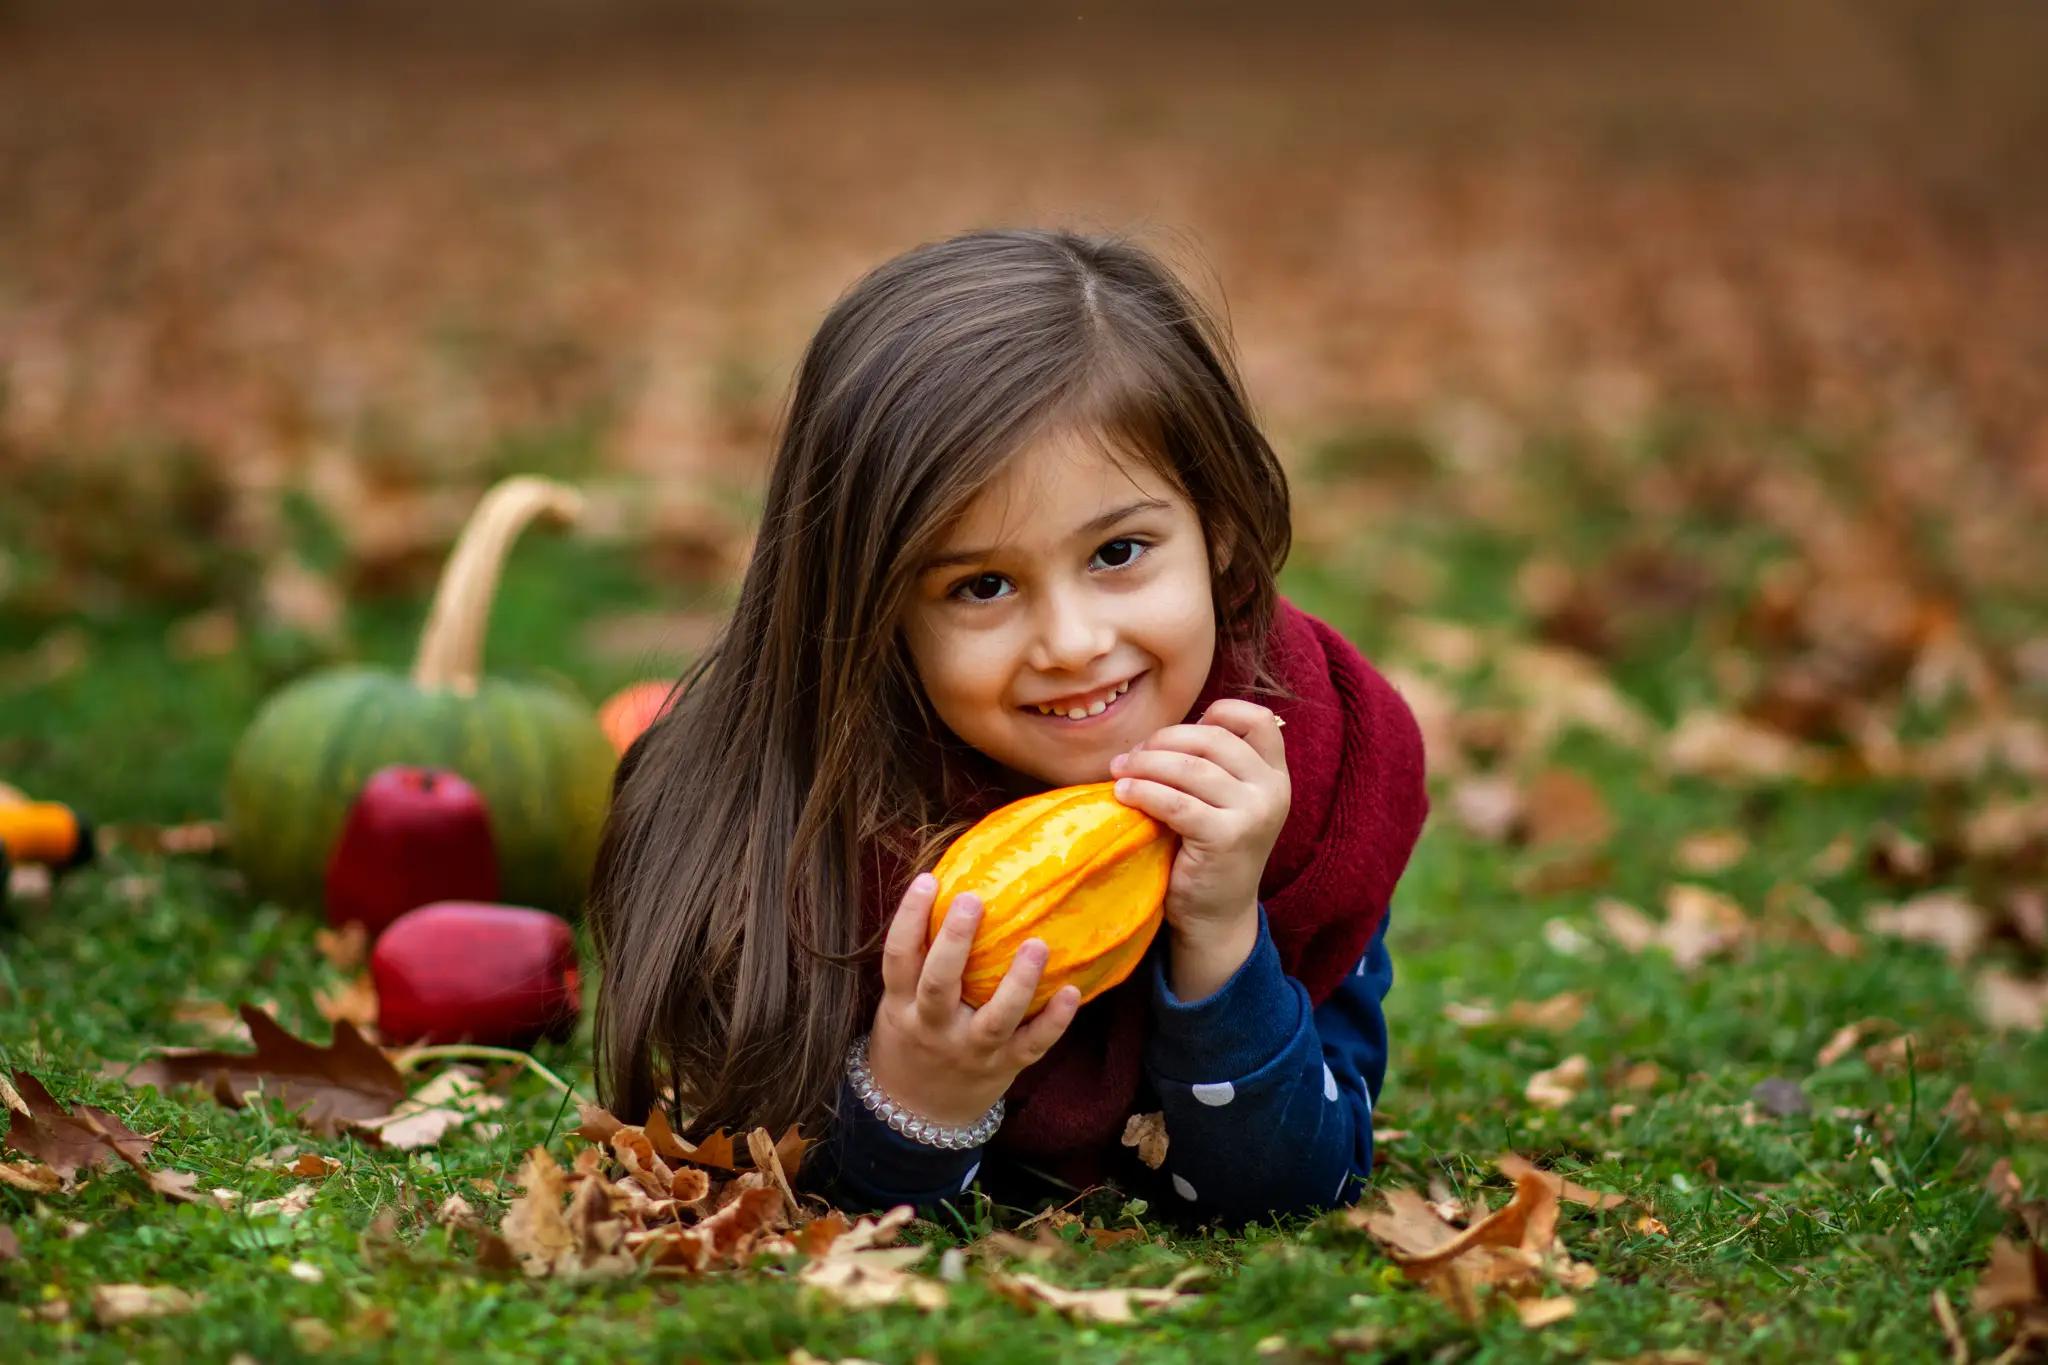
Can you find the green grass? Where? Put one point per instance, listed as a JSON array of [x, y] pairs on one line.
[[1785, 1238]]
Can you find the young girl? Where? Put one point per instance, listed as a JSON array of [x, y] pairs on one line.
[[1021, 533]]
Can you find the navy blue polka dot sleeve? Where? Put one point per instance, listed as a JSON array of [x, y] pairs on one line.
[[1268, 1100]]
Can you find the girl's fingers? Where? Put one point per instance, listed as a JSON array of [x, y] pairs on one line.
[[1256, 725], [1172, 807], [996, 1020], [1213, 740], [938, 985], [903, 947], [1036, 1038], [1200, 777]]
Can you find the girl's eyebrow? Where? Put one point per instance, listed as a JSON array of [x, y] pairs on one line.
[[1089, 527]]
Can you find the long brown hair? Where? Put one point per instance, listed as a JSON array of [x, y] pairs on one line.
[[726, 904]]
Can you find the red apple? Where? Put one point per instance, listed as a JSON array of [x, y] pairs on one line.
[[459, 971], [413, 835]]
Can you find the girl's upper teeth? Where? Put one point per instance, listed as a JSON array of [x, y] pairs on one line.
[[1095, 708]]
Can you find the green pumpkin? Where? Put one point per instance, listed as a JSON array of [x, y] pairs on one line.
[[535, 753]]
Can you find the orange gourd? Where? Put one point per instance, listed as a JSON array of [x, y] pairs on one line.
[[1074, 867], [630, 710]]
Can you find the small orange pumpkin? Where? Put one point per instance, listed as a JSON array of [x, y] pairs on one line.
[[1074, 867], [630, 710]]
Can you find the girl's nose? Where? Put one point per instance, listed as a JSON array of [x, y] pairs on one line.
[[1072, 646]]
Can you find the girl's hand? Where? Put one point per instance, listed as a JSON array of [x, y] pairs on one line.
[[930, 1051], [1222, 785]]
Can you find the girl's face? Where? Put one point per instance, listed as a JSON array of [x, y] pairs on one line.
[[1067, 579]]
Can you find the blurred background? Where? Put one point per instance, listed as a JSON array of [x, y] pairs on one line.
[[284, 286]]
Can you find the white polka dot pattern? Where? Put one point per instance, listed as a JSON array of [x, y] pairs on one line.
[[1215, 1092], [1183, 1189], [1329, 1083], [972, 1171]]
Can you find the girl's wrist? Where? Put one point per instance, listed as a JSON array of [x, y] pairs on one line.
[[1203, 958], [934, 1129], [918, 1088]]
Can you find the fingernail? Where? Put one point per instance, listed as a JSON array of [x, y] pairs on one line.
[[923, 882], [1116, 765], [1123, 787]]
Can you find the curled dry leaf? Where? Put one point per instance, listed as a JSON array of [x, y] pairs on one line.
[[1118, 1305], [875, 1278], [762, 1149], [290, 1204], [450, 1099], [1147, 1133], [30, 1177], [1514, 1248], [1515, 1166]]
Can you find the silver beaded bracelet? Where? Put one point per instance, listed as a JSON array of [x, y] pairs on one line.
[[914, 1126]]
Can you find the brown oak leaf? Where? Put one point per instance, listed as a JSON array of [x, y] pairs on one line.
[[329, 1087], [67, 1141]]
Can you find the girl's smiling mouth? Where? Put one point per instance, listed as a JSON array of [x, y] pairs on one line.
[[1093, 715]]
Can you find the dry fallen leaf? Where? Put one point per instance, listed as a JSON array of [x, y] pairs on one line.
[[290, 1204], [1945, 919], [1147, 1133], [1699, 923], [328, 1087], [30, 1177], [450, 1099], [1554, 1014], [1513, 1248], [355, 1001], [1094, 1305], [1565, 808], [1559, 1085], [344, 948], [64, 1141], [2011, 1003], [2014, 1286], [114, 1304], [1710, 851], [1729, 748]]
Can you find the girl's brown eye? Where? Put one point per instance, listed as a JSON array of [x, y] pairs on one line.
[[965, 588], [1129, 554]]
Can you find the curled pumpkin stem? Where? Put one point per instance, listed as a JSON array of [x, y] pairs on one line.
[[412, 1057], [452, 643]]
